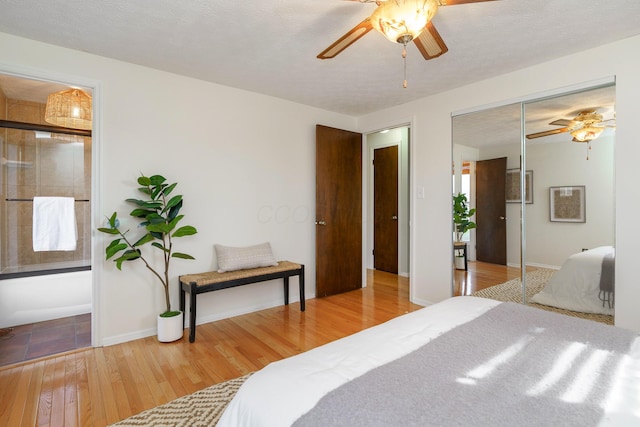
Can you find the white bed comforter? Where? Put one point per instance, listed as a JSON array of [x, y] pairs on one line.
[[283, 391], [576, 285]]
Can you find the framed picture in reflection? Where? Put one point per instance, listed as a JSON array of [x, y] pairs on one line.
[[567, 204], [512, 186]]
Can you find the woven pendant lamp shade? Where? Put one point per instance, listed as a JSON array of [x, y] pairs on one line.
[[69, 108]]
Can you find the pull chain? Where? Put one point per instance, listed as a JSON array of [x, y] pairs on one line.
[[404, 57]]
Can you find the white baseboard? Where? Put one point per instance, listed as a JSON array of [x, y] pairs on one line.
[[144, 333]]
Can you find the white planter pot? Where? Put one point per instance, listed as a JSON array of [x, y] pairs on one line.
[[170, 328]]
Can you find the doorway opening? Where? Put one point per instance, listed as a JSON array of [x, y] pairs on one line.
[[388, 202], [46, 292]]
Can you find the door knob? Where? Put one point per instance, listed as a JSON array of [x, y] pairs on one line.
[[501, 217], [395, 217], [321, 223]]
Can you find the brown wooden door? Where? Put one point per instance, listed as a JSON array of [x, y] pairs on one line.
[[385, 209], [338, 211], [491, 231]]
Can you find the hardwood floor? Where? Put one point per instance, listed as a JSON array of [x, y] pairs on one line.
[[99, 386], [481, 275]]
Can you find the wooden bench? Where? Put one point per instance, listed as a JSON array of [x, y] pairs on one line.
[[210, 281]]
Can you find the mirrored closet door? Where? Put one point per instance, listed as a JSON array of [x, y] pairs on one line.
[[559, 152]]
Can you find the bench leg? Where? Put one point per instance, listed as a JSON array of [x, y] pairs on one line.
[[286, 290], [182, 302], [301, 280], [192, 312]]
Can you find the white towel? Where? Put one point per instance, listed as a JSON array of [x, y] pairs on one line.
[[54, 224]]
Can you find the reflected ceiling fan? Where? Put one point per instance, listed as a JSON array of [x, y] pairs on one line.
[[584, 127], [400, 21]]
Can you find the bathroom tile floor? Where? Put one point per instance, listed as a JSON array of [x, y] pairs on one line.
[[26, 342]]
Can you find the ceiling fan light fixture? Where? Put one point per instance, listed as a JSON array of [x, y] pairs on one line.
[[586, 133], [401, 21], [69, 108]]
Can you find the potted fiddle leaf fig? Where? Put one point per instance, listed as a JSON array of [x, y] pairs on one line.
[[159, 216], [462, 216], [461, 223]]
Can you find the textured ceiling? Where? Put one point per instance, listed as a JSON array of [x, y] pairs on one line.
[[501, 125], [270, 47]]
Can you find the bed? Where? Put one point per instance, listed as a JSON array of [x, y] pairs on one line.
[[584, 283], [464, 361]]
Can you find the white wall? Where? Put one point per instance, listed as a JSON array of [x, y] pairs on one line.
[[245, 164], [431, 265]]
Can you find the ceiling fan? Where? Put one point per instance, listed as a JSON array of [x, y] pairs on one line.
[[400, 21], [584, 127]]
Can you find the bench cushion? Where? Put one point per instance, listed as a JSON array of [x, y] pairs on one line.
[[240, 258], [211, 277]]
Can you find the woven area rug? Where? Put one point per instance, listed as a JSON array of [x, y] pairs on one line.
[[199, 409], [512, 291]]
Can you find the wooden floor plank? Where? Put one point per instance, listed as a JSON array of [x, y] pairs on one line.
[[84, 408], [105, 388], [70, 391], [9, 378], [45, 398], [19, 397], [58, 406], [30, 413]]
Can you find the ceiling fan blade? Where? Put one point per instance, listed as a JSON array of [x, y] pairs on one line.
[[456, 2], [547, 133], [345, 41], [429, 42], [561, 122]]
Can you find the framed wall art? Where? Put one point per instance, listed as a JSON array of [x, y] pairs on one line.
[[512, 186], [567, 204]]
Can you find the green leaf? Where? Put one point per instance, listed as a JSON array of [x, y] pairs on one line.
[[186, 230], [109, 230], [175, 221], [127, 256], [144, 190], [141, 213], [159, 228], [144, 239], [159, 246], [157, 179], [144, 181], [169, 189], [136, 201], [113, 219], [181, 255], [173, 212], [154, 204], [156, 191], [113, 249], [155, 218], [173, 202]]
